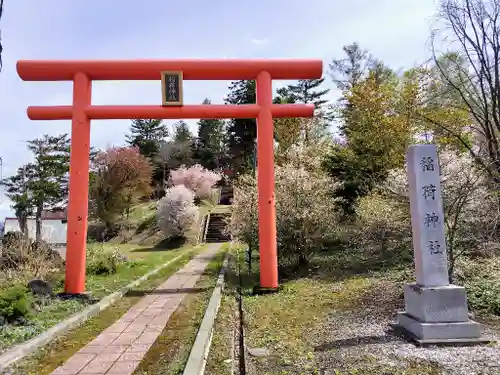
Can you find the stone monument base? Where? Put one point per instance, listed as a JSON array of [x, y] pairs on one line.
[[438, 315], [436, 304], [439, 333]]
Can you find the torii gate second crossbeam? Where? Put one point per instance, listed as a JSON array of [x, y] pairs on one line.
[[82, 73]]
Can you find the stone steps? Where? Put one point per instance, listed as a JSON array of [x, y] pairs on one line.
[[215, 230], [226, 195]]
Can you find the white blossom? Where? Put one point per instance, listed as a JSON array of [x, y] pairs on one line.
[[176, 211]]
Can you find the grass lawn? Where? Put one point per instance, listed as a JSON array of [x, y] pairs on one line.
[[171, 350], [57, 352], [142, 260], [330, 320]]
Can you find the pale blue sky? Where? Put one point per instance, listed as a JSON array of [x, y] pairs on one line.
[[395, 31]]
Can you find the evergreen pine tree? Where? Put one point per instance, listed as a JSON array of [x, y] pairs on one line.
[[147, 135], [210, 143], [284, 95], [17, 191], [242, 133], [305, 91], [182, 132], [47, 176], [181, 149], [366, 154]]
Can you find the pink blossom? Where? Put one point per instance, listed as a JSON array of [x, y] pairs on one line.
[[196, 178]]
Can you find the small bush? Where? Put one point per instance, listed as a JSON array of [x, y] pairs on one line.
[[15, 304], [12, 239], [42, 250], [176, 213], [15, 250], [381, 229], [28, 261], [101, 261], [197, 179]]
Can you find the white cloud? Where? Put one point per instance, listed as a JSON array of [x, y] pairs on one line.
[[260, 42]]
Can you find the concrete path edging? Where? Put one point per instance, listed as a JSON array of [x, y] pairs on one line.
[[198, 356], [20, 351]]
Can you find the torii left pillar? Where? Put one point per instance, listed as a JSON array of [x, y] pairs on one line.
[[79, 182]]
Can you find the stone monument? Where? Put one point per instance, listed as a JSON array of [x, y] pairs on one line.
[[435, 311]]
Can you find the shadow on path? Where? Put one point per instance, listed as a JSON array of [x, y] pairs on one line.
[[356, 341], [140, 293]]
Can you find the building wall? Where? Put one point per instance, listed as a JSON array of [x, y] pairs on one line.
[[60, 213], [53, 231]]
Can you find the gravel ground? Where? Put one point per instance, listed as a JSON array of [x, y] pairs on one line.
[[362, 341], [365, 343]]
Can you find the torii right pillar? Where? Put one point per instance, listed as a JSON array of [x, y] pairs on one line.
[[265, 182]]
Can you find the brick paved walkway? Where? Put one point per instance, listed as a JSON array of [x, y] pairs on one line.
[[119, 349]]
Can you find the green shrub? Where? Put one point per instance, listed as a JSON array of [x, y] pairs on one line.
[[135, 263], [482, 282], [382, 229], [484, 295], [101, 261], [15, 304]]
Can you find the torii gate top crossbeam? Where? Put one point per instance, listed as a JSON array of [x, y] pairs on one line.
[[225, 69], [202, 69]]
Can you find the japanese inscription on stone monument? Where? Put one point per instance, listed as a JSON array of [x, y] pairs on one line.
[[171, 88], [427, 216]]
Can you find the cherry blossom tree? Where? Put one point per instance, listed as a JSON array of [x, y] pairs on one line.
[[120, 177], [306, 217], [176, 212], [197, 179]]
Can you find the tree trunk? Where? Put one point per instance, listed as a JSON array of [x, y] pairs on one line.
[[127, 209], [38, 219], [303, 263], [163, 180], [23, 224], [108, 232], [451, 256], [451, 271]]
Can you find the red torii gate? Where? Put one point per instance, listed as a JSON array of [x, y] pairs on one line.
[[82, 73]]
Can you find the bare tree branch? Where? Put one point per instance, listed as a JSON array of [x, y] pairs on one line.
[[473, 72]]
